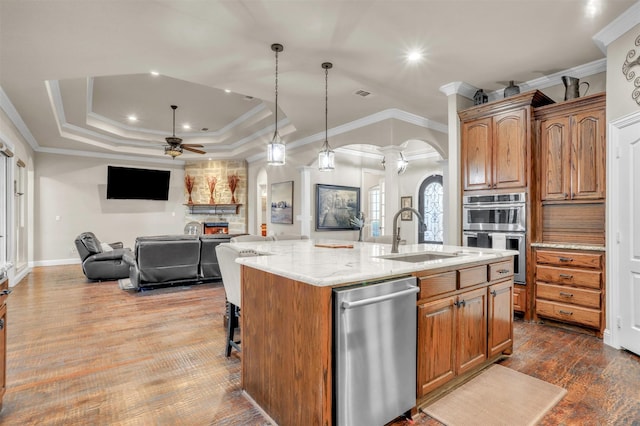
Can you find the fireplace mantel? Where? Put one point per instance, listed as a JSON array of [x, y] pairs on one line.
[[213, 208]]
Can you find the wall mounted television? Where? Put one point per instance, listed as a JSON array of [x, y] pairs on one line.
[[125, 183]]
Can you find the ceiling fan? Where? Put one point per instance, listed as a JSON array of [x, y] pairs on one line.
[[175, 146]]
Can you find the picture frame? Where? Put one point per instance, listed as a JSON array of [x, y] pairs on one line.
[[282, 203], [335, 206], [406, 202]]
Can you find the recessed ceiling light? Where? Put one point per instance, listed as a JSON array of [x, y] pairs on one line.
[[227, 90], [132, 118], [415, 55], [186, 126], [155, 73]]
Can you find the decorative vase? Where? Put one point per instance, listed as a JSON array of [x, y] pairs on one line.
[[511, 89], [190, 202], [233, 197], [480, 97], [212, 199]]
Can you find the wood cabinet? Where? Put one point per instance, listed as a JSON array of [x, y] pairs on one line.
[[573, 151], [496, 141], [465, 319], [4, 291], [570, 287]]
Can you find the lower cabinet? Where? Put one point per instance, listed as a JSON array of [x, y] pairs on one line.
[[459, 329], [570, 287]]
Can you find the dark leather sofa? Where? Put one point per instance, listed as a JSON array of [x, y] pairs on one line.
[[99, 264], [174, 260]]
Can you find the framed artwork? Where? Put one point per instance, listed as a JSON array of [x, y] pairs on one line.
[[335, 206], [282, 202], [406, 202]]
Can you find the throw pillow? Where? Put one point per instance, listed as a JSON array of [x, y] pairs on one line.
[[106, 247]]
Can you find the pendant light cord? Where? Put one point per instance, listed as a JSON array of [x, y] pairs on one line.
[[326, 105], [276, 91]]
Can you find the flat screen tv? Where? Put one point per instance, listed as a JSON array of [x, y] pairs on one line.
[[125, 183]]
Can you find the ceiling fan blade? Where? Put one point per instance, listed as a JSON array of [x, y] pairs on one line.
[[193, 145], [197, 151]]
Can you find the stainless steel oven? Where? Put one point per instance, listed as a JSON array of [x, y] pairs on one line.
[[500, 212], [497, 221], [503, 240]]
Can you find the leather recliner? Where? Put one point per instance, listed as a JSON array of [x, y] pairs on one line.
[[101, 262], [165, 259]]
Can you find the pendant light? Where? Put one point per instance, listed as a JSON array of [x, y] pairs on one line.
[[326, 156], [276, 148]]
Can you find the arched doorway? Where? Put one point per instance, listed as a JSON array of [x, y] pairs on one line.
[[430, 205]]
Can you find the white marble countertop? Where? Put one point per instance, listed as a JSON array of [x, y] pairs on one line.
[[569, 246], [301, 260]]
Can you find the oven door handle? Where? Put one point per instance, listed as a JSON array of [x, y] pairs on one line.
[[493, 206]]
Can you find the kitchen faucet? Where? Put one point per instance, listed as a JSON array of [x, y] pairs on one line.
[[396, 227]]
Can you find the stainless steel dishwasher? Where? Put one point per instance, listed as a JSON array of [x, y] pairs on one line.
[[374, 351]]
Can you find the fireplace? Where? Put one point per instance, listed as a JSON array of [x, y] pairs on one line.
[[215, 227]]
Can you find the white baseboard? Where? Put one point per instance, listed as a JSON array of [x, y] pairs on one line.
[[57, 262]]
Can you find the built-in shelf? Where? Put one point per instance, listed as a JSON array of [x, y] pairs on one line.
[[213, 208]]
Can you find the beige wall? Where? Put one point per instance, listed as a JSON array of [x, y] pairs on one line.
[[619, 90], [71, 198]]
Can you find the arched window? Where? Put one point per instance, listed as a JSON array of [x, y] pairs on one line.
[[430, 203]]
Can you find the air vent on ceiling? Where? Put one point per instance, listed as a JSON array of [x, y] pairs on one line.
[[362, 93], [248, 98]]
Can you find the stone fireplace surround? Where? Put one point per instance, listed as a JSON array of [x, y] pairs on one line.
[[221, 169]]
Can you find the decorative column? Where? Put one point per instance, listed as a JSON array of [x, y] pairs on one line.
[[306, 192], [391, 186]]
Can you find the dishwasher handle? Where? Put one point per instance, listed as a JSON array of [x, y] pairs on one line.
[[378, 299]]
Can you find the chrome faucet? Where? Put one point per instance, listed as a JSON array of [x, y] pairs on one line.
[[396, 227]]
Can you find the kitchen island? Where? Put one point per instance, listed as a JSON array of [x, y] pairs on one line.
[[287, 325]]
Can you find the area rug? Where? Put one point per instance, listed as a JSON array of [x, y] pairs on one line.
[[497, 396]]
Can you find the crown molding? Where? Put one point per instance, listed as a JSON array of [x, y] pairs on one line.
[[619, 26], [121, 157], [14, 117]]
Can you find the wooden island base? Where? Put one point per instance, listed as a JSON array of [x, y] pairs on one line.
[[465, 323]]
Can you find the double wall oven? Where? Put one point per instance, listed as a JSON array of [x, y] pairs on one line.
[[497, 221]]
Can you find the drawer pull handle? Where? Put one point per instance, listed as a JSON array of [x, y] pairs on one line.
[[565, 259], [565, 312], [503, 271], [460, 304], [565, 294], [567, 276]]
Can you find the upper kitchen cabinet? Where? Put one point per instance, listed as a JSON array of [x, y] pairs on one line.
[[496, 142], [572, 149]]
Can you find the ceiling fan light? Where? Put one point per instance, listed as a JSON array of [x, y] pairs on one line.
[[326, 158], [173, 151]]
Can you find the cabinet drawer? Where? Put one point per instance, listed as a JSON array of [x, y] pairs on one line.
[[568, 313], [561, 258], [569, 276], [500, 270], [437, 284], [579, 296], [472, 276]]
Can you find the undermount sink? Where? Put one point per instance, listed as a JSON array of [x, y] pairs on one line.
[[420, 257]]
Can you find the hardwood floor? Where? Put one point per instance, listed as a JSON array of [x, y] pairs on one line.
[[84, 353]]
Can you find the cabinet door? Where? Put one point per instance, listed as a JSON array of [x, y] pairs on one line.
[[555, 176], [510, 149], [476, 154], [472, 329], [500, 321], [588, 155], [436, 339], [3, 351]]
